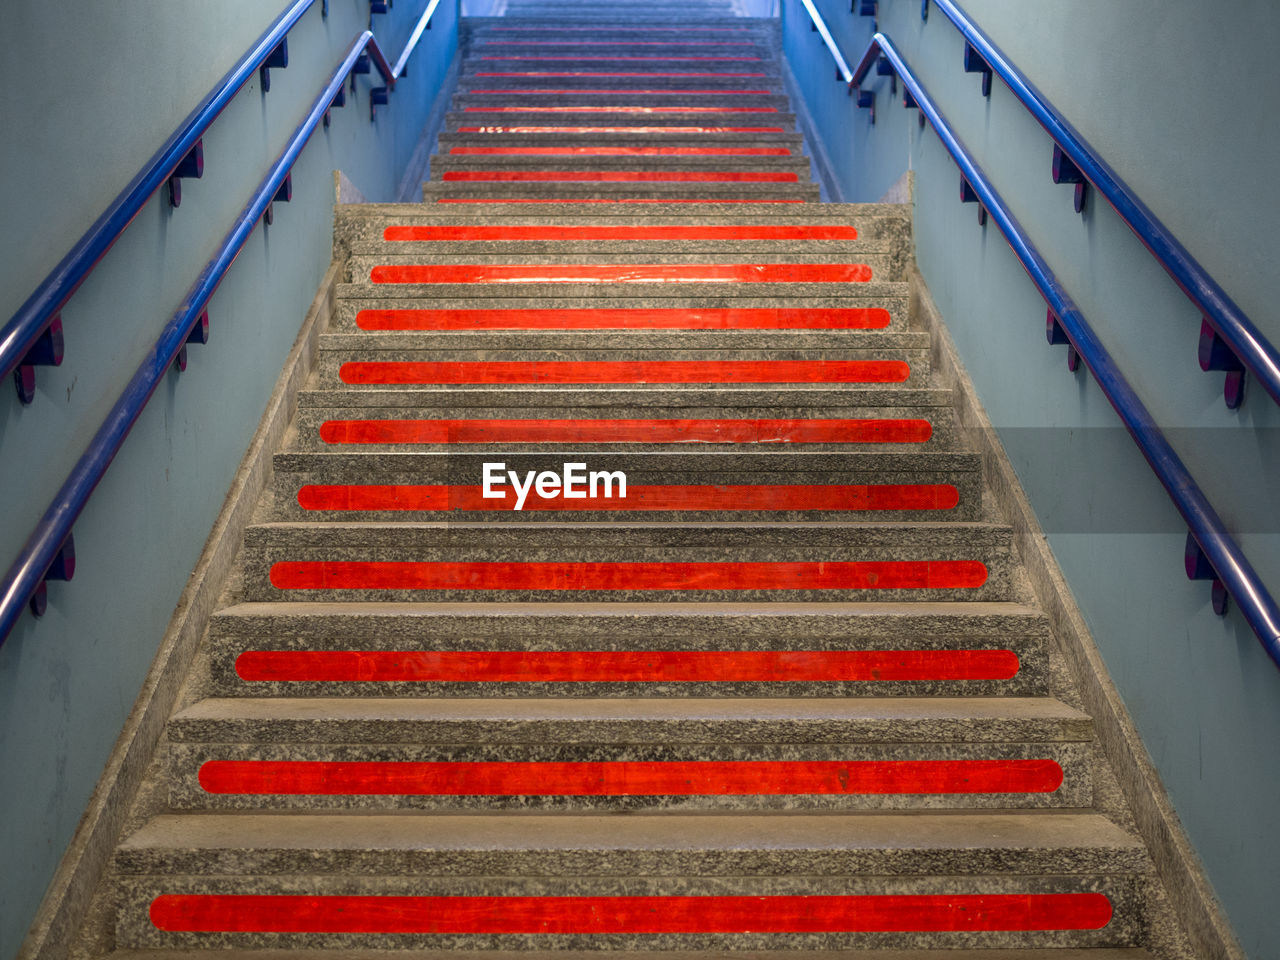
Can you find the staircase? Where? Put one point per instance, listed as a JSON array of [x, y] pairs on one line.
[[790, 693]]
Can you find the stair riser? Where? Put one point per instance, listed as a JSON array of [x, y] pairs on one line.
[[1125, 896]]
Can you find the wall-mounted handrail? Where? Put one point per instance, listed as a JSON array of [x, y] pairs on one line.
[[424, 23], [44, 547], [34, 317], [1233, 340], [1229, 565], [842, 68]]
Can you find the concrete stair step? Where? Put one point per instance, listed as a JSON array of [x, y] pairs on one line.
[[387, 649], [1050, 953], [453, 143], [1085, 872], [606, 288], [746, 322], [480, 82], [622, 561], [741, 164], [688, 486], [515, 244], [490, 192], [350, 218], [737, 101], [614, 754], [457, 121], [569, 419], [341, 367], [357, 223], [605, 342], [632, 267]]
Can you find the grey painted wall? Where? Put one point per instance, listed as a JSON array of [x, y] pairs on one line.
[[1181, 99], [106, 84]]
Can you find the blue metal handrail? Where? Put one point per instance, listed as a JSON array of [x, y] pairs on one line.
[[1226, 562], [47, 547], [1229, 341], [424, 23], [34, 317], [842, 68]]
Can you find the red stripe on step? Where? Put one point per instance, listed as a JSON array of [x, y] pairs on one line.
[[616, 29], [593, 200], [462, 232], [666, 91], [526, 129], [622, 273], [624, 371], [715, 318], [639, 497], [631, 59], [620, 176], [928, 913], [609, 108], [572, 576], [607, 73], [624, 666], [626, 431], [616, 43], [622, 151], [629, 778]]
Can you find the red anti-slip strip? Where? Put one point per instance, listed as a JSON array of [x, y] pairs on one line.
[[929, 913], [620, 176], [597, 200], [625, 371], [622, 273], [626, 59], [604, 73], [624, 666], [665, 91], [626, 431], [622, 151], [636, 318], [616, 43], [609, 108], [639, 497], [751, 575], [630, 778], [526, 129], [731, 231]]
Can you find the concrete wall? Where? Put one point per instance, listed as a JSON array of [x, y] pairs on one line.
[[105, 84], [1180, 98]]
